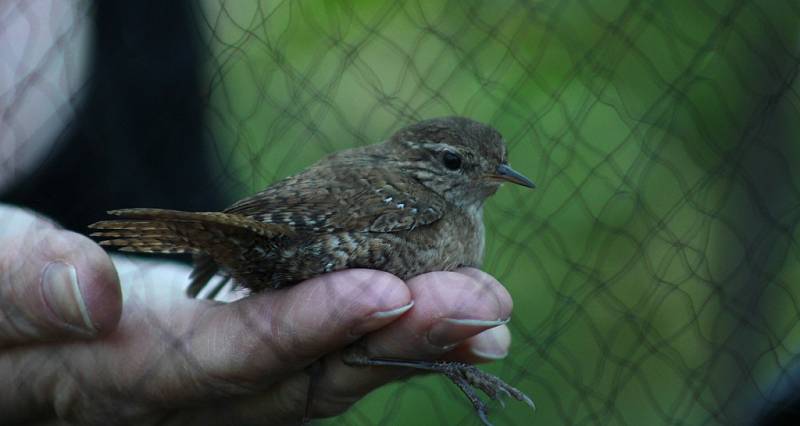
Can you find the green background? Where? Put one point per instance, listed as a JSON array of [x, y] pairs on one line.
[[654, 270]]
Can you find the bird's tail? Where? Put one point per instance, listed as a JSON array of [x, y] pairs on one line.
[[173, 231], [157, 231], [215, 238]]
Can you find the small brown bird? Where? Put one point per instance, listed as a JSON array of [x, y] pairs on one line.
[[410, 205]]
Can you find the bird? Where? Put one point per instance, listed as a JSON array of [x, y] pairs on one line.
[[408, 205]]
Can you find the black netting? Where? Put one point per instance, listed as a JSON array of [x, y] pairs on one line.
[[655, 268]]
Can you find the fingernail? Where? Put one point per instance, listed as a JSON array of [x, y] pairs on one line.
[[492, 344], [378, 319], [493, 356], [63, 295], [450, 331]]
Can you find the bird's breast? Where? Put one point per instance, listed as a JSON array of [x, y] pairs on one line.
[[455, 240]]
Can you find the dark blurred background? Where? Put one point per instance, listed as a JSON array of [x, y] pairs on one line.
[[655, 269], [137, 137]]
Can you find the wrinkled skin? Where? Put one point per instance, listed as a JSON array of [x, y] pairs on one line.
[[159, 357]]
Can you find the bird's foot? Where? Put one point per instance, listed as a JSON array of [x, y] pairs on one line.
[[466, 376]]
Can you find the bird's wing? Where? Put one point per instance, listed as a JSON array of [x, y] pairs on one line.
[[391, 208], [343, 199]]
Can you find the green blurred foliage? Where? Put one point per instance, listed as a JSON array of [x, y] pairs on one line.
[[652, 269]]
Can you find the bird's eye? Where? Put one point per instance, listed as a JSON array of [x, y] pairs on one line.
[[451, 160]]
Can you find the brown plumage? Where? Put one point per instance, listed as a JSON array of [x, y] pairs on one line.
[[410, 205]]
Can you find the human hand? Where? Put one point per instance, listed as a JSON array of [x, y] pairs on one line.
[[179, 360], [54, 284]]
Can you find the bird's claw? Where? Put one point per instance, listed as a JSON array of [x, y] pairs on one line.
[[466, 376]]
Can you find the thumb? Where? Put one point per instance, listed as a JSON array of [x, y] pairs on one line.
[[54, 284]]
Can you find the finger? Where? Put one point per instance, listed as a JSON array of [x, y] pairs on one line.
[[280, 404], [263, 338], [195, 350], [55, 284], [16, 220], [449, 308], [492, 344], [481, 277], [88, 382], [488, 346]]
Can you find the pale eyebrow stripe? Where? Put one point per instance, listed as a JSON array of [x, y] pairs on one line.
[[432, 146], [439, 147]]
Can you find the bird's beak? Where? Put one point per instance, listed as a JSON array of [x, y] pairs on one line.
[[506, 173]]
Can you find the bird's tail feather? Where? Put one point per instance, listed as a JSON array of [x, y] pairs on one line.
[[173, 231], [154, 233], [141, 236], [210, 236]]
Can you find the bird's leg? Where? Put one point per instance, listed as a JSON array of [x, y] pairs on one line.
[[466, 376]]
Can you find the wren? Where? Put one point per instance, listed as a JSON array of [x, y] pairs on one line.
[[409, 205]]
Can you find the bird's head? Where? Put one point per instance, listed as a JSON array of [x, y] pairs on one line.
[[460, 159]]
